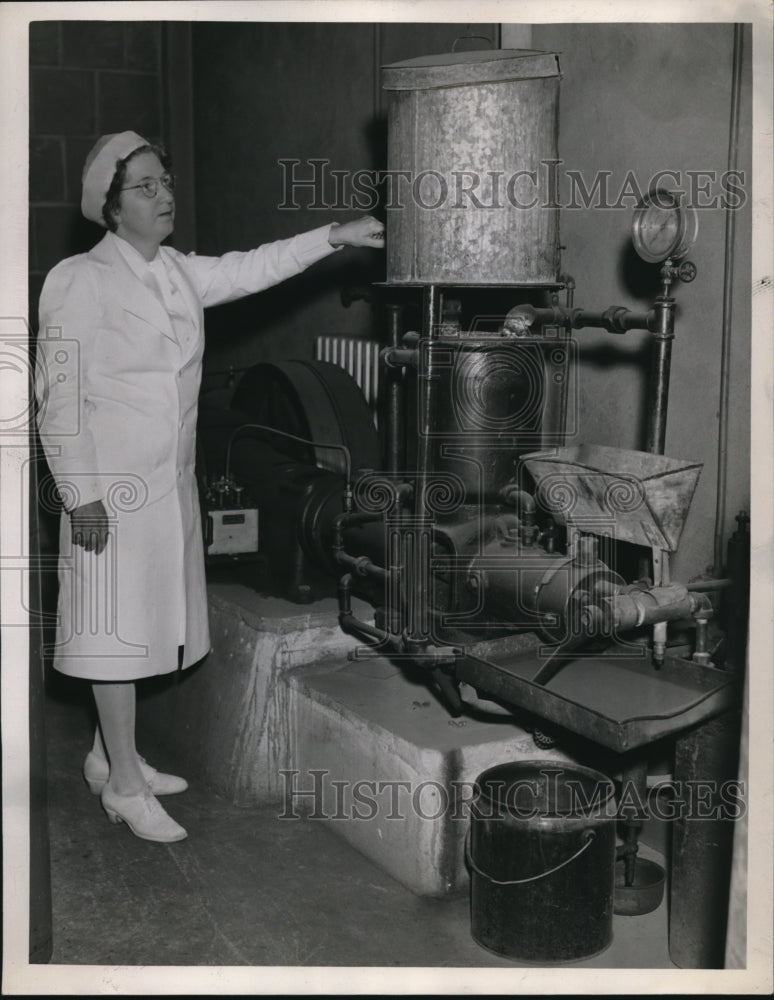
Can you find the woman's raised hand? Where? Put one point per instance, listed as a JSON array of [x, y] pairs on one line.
[[364, 232]]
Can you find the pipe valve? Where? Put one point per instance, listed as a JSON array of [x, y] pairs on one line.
[[657, 604]]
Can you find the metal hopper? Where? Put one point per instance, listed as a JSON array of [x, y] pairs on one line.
[[633, 496]]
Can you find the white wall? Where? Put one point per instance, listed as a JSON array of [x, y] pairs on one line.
[[645, 98]]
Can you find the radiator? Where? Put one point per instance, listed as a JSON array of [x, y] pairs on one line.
[[358, 357]]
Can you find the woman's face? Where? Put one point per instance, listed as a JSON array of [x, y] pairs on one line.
[[145, 222]]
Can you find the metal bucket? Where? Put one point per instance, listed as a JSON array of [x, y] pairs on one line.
[[542, 860]]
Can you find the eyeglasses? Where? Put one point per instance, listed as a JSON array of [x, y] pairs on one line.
[[150, 187]]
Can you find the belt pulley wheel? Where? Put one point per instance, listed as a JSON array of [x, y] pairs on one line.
[[315, 400]]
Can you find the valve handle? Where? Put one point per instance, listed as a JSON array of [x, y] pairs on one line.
[[687, 271]]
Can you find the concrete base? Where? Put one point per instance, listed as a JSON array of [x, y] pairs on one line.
[[227, 720], [386, 767], [277, 713]]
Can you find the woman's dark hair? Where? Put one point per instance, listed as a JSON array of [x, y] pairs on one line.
[[114, 191]]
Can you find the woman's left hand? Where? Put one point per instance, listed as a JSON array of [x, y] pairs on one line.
[[365, 232]]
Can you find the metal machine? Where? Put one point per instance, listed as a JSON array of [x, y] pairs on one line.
[[525, 574]]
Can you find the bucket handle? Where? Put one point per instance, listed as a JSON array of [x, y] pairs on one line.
[[590, 838], [464, 38]]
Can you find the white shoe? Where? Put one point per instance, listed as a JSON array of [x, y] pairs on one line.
[[143, 814], [96, 772]]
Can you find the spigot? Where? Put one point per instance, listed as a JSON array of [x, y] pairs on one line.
[[659, 644]]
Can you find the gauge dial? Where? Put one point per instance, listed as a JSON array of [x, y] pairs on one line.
[[662, 227]]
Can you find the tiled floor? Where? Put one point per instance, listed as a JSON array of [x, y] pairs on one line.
[[249, 889]]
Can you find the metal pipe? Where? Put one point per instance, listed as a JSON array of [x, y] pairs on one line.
[[377, 63], [702, 585], [659, 643], [345, 594], [658, 379], [426, 378], [657, 410], [646, 607], [615, 319], [362, 565], [396, 358], [352, 625], [569, 282], [415, 547], [738, 569], [395, 430], [701, 652], [292, 437], [634, 794], [347, 520], [728, 280]]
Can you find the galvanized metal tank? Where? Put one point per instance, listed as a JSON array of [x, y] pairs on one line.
[[471, 168]]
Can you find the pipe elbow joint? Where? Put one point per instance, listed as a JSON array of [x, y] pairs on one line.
[[519, 321], [514, 496], [400, 357], [701, 606]]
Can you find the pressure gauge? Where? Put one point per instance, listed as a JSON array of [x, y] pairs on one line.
[[663, 227]]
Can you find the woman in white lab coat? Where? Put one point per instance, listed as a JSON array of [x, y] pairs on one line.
[[119, 365]]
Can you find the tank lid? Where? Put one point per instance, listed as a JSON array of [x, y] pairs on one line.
[[452, 69]]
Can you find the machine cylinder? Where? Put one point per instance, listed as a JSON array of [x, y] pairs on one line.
[[472, 155], [535, 587], [489, 401]]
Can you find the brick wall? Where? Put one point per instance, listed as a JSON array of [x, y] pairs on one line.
[[87, 78]]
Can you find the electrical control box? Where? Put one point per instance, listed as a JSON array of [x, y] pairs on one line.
[[232, 532], [231, 522]]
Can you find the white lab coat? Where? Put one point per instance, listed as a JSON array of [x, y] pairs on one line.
[[117, 387]]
